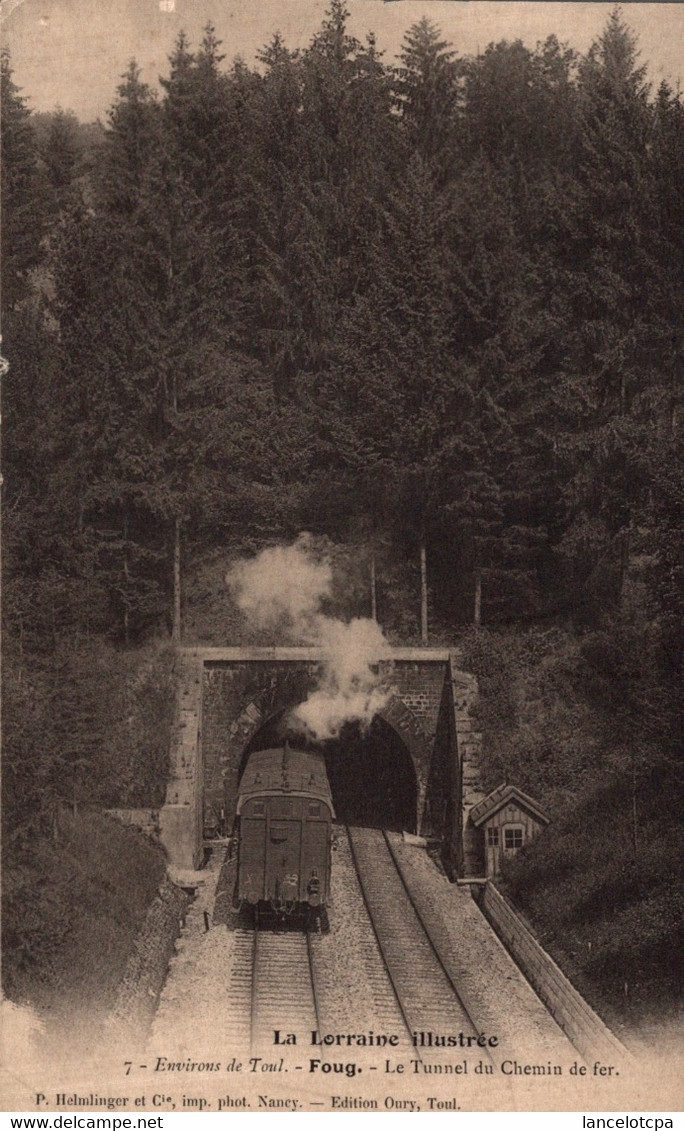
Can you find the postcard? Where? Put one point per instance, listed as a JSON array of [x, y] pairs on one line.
[[341, 362]]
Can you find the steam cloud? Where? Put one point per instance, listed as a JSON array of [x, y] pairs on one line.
[[349, 690], [284, 587]]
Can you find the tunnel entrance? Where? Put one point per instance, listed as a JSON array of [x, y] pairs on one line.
[[372, 777], [371, 773]]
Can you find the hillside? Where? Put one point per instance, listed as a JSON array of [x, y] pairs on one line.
[[587, 724], [84, 729], [73, 904]]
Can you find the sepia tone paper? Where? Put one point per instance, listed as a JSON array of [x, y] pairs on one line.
[[187, 1056]]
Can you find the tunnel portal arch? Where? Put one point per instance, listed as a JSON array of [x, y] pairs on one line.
[[225, 695]]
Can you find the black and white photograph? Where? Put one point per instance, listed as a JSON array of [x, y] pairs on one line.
[[342, 369]]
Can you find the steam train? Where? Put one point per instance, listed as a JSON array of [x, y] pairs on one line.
[[283, 830]]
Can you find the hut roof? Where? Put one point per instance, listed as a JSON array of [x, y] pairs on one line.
[[501, 796]]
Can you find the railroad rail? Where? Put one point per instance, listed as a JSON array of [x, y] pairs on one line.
[[348, 962], [238, 1022], [427, 997], [271, 987], [282, 986], [278, 977]]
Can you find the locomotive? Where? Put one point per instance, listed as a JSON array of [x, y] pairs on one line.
[[283, 829]]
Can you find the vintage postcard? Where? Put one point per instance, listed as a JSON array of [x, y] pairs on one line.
[[342, 368]]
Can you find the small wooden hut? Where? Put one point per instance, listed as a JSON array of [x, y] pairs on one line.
[[508, 819]]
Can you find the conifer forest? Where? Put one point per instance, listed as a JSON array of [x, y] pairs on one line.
[[428, 309]]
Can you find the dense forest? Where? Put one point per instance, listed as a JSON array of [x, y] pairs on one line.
[[429, 310]]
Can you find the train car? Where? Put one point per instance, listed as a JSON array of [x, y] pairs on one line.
[[283, 826]]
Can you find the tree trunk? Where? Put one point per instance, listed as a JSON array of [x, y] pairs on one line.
[[635, 817], [20, 666], [677, 374], [373, 589], [477, 612], [176, 622], [423, 594], [624, 562], [126, 570]]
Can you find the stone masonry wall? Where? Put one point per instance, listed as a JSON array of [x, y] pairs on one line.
[[145, 972], [465, 693], [442, 802], [237, 698], [180, 818], [225, 695], [419, 686], [239, 695], [584, 1028]]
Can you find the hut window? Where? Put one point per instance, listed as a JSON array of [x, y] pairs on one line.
[[492, 837], [314, 809], [513, 838]]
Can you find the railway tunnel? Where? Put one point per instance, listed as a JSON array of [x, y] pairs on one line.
[[414, 769], [371, 773]]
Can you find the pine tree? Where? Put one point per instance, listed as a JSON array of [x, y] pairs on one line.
[[22, 191], [519, 105], [428, 93], [396, 382], [149, 313], [613, 277], [324, 152], [61, 154], [109, 275]]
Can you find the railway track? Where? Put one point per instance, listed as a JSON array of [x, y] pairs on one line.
[[271, 987], [352, 985], [283, 993], [278, 978], [237, 1024], [427, 997]]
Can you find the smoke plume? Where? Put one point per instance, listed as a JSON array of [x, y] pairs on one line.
[[349, 689], [285, 587]]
